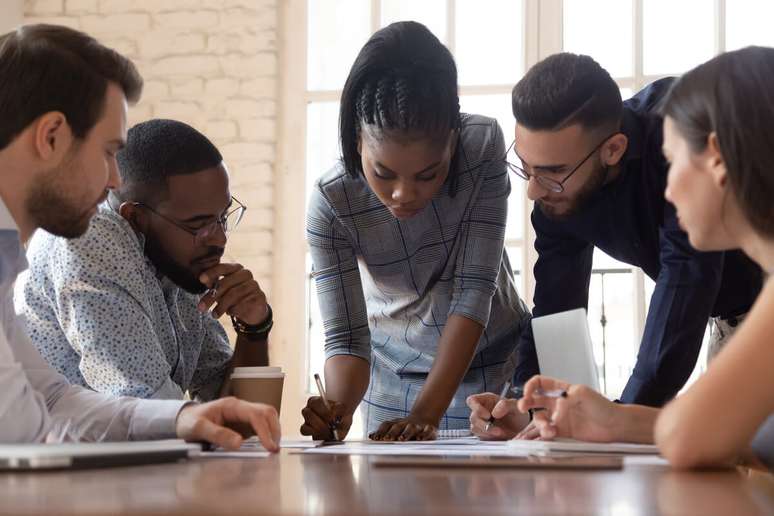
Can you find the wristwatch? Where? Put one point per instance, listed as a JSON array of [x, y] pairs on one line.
[[254, 331]]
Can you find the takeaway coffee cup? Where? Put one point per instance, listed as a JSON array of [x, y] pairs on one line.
[[258, 385]]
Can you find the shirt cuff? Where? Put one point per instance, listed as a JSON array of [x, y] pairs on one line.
[[155, 419]]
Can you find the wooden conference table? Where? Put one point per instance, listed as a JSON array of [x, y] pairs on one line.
[[325, 484]]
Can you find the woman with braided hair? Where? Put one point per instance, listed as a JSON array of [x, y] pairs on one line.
[[406, 235]]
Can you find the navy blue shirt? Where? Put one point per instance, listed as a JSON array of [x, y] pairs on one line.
[[630, 220]]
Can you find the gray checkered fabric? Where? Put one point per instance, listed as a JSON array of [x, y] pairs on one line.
[[386, 286]]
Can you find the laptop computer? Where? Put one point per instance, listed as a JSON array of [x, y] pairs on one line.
[[564, 348], [20, 457]]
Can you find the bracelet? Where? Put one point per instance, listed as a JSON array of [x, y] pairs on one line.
[[254, 330]]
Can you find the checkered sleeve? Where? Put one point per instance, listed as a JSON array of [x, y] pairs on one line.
[[483, 233], [337, 277]]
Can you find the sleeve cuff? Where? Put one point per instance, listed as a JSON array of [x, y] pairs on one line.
[[155, 419]]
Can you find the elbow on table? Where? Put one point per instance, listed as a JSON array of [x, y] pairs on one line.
[[685, 447]]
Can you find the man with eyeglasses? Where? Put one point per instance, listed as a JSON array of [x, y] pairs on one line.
[[597, 176], [131, 307]]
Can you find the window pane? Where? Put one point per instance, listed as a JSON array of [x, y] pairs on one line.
[[316, 334], [499, 107], [322, 143], [431, 13], [626, 93], [615, 349], [337, 31], [748, 22], [603, 260], [667, 47], [489, 41], [517, 262], [591, 26]]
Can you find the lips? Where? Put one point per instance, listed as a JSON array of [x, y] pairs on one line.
[[404, 213], [209, 262]]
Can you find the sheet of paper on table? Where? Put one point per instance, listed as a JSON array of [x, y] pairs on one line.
[[457, 447], [253, 449], [571, 445]]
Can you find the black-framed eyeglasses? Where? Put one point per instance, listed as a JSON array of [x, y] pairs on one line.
[[227, 222], [547, 182]]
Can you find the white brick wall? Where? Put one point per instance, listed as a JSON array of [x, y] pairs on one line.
[[212, 64]]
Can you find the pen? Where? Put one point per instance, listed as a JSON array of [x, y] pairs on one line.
[[552, 393], [327, 405], [506, 388]]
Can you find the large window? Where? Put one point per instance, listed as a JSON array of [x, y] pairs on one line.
[[494, 41]]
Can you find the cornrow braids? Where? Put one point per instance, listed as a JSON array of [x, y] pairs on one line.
[[403, 80]]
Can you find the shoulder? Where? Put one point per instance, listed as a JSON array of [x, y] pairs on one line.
[[338, 192], [481, 138], [109, 244], [646, 102]]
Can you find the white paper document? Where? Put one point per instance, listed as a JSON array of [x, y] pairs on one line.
[[571, 445], [456, 447]]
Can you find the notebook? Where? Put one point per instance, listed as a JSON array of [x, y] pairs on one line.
[[93, 455]]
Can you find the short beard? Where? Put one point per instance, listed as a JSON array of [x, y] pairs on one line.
[[178, 274], [589, 189], [50, 208]]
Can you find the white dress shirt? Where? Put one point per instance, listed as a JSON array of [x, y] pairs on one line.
[[34, 398]]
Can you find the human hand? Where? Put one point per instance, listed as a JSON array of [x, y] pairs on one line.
[[411, 428], [582, 413], [319, 420], [207, 422], [509, 421], [235, 292]]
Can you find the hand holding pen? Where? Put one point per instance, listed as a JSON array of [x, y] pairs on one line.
[[325, 419]]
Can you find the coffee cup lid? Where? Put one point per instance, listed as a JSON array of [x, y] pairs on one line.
[[256, 370]]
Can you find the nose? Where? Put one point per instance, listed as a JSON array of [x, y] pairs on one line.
[[215, 236], [114, 179], [404, 193], [535, 191]]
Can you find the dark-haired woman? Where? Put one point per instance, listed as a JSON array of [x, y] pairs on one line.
[[406, 235], [718, 140]]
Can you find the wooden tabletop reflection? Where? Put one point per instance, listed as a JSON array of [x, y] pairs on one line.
[[291, 483]]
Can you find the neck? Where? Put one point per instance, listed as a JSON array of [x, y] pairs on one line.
[[760, 249], [613, 173], [13, 191]]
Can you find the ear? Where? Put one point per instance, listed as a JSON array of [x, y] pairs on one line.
[[715, 162], [53, 136], [614, 149], [135, 216]]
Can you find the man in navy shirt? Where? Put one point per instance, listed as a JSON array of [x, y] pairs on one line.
[[597, 175]]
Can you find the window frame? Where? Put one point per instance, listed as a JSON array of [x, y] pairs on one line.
[[543, 36]]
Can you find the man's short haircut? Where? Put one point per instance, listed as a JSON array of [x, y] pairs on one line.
[[45, 68], [566, 89], [158, 149]]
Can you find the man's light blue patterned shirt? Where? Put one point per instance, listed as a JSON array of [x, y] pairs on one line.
[[101, 315]]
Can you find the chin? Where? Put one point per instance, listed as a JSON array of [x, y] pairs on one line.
[[553, 212]]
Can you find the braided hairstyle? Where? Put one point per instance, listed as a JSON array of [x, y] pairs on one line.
[[404, 81]]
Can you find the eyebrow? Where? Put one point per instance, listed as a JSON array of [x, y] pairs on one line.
[[429, 167], [549, 168], [198, 218]]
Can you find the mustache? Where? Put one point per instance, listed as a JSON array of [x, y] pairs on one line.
[[212, 253]]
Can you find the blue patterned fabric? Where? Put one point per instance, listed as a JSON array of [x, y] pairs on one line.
[[386, 286], [99, 313]]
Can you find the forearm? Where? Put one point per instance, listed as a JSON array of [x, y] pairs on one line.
[[635, 423], [346, 380], [250, 352], [456, 348]]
